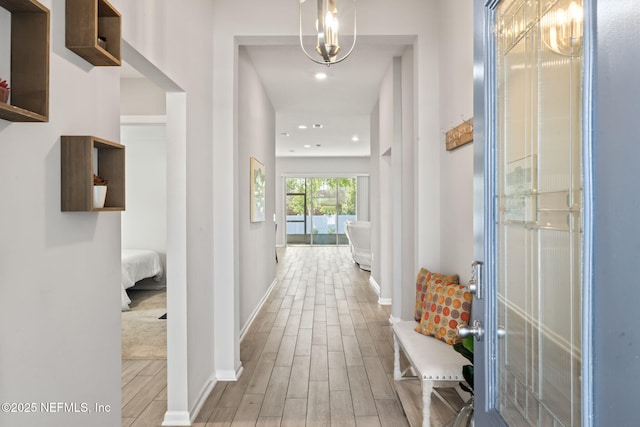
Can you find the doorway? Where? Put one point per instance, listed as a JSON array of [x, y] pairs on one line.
[[175, 132], [317, 209]]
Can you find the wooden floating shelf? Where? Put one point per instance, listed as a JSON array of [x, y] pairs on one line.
[[78, 160], [17, 114], [86, 22], [29, 79]]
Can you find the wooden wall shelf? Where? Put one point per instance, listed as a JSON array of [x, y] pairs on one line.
[[86, 22], [29, 80], [77, 163]]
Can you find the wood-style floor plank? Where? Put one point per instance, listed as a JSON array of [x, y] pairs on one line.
[[368, 421], [318, 405], [152, 415], [341, 409], [391, 413], [361, 395], [320, 353], [334, 338], [273, 404], [378, 380], [133, 387], [295, 413], [352, 353], [303, 345], [146, 397], [247, 413], [338, 379], [299, 380], [319, 364], [287, 351]]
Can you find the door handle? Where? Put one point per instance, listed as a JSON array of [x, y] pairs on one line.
[[475, 284], [501, 331], [476, 330]]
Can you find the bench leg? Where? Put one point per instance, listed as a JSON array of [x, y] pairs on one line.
[[427, 388], [397, 375]]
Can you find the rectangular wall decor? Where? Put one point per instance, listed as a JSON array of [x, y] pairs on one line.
[[460, 135], [258, 179]]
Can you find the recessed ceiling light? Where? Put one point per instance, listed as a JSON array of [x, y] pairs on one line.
[[302, 127], [355, 138], [317, 126], [321, 76], [307, 146]]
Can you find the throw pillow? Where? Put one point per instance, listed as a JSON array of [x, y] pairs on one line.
[[445, 307], [422, 283]]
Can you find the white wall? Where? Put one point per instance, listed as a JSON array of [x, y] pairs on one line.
[[141, 97], [67, 347], [456, 104], [144, 223], [409, 166], [384, 229], [311, 167], [160, 31], [256, 137], [59, 271], [375, 195]]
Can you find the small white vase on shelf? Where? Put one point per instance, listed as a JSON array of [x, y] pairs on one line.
[[99, 196]]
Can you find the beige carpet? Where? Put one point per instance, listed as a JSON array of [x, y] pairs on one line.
[[144, 336]]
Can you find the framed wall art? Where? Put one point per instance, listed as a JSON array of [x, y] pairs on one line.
[[258, 179]]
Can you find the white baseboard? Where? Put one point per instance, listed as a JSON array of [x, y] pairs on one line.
[[183, 418], [202, 397], [246, 327], [176, 418], [376, 288], [374, 285], [228, 374]]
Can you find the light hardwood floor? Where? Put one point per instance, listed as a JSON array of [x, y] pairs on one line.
[[319, 353]]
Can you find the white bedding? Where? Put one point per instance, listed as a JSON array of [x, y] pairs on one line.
[[138, 264]]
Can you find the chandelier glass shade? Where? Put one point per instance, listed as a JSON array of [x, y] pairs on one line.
[[327, 29], [562, 28]]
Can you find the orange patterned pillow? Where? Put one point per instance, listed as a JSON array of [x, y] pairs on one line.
[[422, 283], [445, 307]]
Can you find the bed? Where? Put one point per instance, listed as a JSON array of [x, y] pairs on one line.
[[138, 264]]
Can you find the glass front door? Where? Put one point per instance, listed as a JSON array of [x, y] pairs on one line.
[[536, 363]]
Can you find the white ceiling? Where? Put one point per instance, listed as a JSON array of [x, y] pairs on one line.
[[342, 103]]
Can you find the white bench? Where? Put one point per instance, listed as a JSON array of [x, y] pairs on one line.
[[436, 363]]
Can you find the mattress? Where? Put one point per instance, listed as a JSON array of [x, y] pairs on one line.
[[138, 264]]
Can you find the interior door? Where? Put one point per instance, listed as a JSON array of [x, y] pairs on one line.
[[532, 234]]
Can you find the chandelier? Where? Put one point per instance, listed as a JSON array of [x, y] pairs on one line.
[[562, 29], [327, 27]]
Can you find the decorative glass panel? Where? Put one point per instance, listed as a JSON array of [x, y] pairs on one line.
[[539, 92]]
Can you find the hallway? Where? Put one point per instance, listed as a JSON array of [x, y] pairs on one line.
[[320, 352]]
